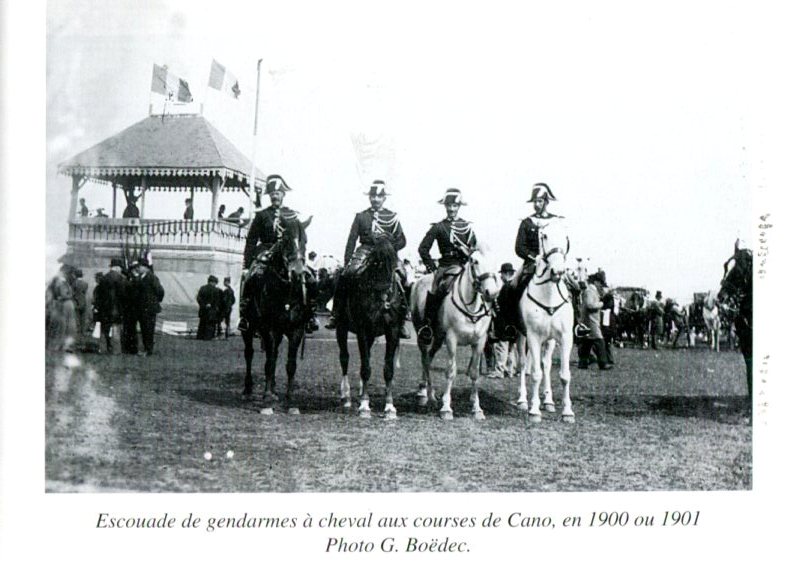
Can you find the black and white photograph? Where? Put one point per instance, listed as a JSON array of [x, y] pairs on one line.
[[358, 281]]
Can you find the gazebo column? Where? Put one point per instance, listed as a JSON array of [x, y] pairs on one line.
[[114, 200], [77, 181], [217, 183], [143, 187]]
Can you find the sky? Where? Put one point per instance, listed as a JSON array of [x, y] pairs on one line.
[[639, 118]]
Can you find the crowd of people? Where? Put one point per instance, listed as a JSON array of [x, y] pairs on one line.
[[215, 308], [124, 306]]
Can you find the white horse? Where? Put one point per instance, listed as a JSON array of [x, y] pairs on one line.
[[546, 310], [463, 319], [711, 316]]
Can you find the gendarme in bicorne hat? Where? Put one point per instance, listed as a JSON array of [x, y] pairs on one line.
[[275, 182], [542, 190], [378, 188], [452, 196]]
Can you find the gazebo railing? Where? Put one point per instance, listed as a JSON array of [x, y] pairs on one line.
[[217, 235]]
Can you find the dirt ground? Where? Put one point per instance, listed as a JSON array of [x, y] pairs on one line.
[[660, 420]]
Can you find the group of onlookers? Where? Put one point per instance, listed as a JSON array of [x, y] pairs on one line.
[[125, 303], [216, 306]]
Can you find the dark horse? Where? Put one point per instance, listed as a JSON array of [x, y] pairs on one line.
[[736, 291], [278, 309], [372, 309]]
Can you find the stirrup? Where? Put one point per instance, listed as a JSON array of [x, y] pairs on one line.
[[243, 325], [425, 334]]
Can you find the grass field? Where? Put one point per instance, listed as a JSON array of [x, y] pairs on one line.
[[661, 420]]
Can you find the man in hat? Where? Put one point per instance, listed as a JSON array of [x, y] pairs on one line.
[[80, 303], [591, 318], [456, 239], [228, 300], [503, 348], [235, 216], [526, 246], [145, 295], [83, 208], [266, 229], [656, 313], [367, 225], [108, 299], [61, 317], [209, 299]]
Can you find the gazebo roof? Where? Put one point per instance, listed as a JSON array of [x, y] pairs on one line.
[[171, 151]]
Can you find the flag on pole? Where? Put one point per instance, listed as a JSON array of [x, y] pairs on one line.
[[170, 85], [223, 80]]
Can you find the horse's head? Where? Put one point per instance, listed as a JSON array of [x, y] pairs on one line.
[[737, 276], [485, 278], [290, 250], [553, 248]]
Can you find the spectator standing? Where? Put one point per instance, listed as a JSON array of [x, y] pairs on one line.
[[228, 300], [60, 313], [109, 297], [590, 313], [608, 318], [83, 208], [505, 350], [80, 303], [209, 298], [220, 213], [656, 313], [146, 295], [188, 213]]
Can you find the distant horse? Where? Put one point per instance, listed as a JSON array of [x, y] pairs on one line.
[[736, 291], [711, 318], [372, 309], [546, 310], [278, 308], [463, 319]]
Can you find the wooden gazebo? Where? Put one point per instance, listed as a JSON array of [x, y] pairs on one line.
[[171, 153]]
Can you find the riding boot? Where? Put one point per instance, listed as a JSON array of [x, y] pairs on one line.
[[404, 333], [337, 307], [426, 331], [243, 323]]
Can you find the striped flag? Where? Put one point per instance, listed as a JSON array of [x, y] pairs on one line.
[[170, 85], [223, 80]]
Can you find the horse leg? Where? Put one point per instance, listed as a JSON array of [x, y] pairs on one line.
[[567, 415], [473, 372], [426, 393], [525, 363], [248, 337], [451, 372], [271, 345], [293, 344], [548, 405], [534, 347], [344, 359], [392, 348], [364, 346]]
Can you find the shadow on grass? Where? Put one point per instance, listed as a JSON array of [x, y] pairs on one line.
[[722, 409]]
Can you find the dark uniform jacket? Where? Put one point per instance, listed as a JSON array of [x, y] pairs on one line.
[[526, 246], [146, 295], [109, 297], [265, 231], [209, 298], [368, 223], [452, 238], [228, 300]]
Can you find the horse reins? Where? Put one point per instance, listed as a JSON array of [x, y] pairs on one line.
[[466, 308]]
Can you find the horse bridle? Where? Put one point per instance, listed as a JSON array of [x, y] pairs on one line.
[[476, 283], [545, 257]]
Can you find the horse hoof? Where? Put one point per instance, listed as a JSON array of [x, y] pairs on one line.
[[549, 408], [246, 397], [522, 406], [479, 415], [422, 401], [346, 404], [390, 415], [365, 414], [293, 412], [568, 419], [535, 418], [267, 411], [447, 415]]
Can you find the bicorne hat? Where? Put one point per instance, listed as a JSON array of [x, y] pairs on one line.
[[275, 182], [452, 196], [378, 188], [541, 190]]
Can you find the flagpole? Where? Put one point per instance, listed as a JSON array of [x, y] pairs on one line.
[[252, 191]]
